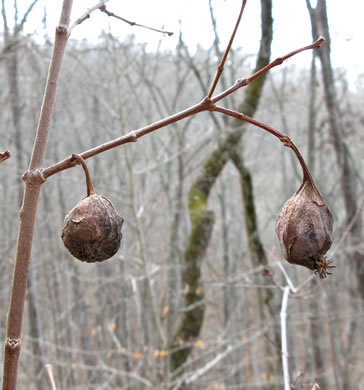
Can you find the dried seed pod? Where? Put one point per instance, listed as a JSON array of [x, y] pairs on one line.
[[304, 227], [92, 229]]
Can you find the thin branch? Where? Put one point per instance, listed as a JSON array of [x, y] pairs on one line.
[[87, 14], [15, 6], [214, 28], [348, 228], [49, 99], [282, 137], [209, 365], [278, 61], [24, 19], [308, 280], [4, 156], [205, 105], [108, 13], [289, 282], [220, 68], [238, 115], [283, 316], [130, 137], [49, 371], [5, 21]]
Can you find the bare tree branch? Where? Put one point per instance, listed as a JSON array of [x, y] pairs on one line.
[[285, 355], [5, 20], [88, 13], [220, 68], [49, 371], [102, 7], [169, 33], [4, 156], [28, 11], [205, 105]]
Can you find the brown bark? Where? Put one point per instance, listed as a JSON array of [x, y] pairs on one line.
[[320, 26], [12, 67], [33, 182]]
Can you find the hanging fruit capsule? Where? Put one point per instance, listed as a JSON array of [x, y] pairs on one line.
[[92, 229], [305, 225]]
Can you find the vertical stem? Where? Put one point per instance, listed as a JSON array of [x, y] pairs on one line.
[[33, 181], [220, 68], [49, 370], [49, 98], [284, 339], [312, 115]]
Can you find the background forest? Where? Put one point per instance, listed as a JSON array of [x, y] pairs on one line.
[[117, 324]]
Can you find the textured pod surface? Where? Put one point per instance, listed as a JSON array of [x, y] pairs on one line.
[[304, 229], [92, 229]]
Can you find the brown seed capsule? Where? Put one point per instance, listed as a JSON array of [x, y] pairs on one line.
[[304, 228], [92, 229]]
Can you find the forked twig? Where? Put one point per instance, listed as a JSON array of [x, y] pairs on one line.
[[278, 61], [87, 14], [206, 104], [102, 7]]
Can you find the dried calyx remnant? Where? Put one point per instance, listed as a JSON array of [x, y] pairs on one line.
[[92, 229], [305, 224]]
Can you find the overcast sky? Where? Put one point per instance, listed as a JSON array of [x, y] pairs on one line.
[[291, 25]]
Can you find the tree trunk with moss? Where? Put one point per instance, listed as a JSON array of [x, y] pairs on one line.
[[266, 305], [202, 219]]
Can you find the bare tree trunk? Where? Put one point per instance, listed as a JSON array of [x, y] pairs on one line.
[[320, 26], [228, 377], [266, 306], [12, 67], [33, 182], [202, 219], [312, 116]]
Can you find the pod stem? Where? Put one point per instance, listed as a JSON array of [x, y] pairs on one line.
[[282, 137], [89, 185], [307, 177]]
